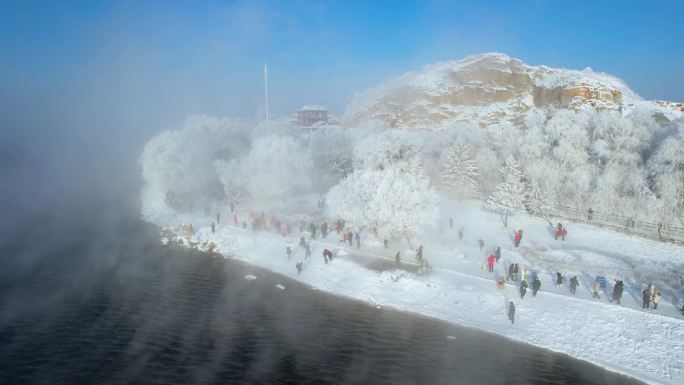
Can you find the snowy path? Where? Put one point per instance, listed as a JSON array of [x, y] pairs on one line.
[[645, 344]]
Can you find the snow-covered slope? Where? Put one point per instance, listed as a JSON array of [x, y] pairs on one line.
[[646, 344], [491, 88]]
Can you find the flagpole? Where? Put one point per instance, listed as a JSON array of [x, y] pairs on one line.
[[266, 87]]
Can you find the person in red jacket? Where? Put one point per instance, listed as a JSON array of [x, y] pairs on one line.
[[490, 262], [518, 238]]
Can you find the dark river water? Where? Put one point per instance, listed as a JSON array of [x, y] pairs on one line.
[[105, 303]]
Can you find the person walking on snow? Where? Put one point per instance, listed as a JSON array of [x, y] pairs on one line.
[[559, 278], [397, 259], [597, 289], [324, 229], [573, 284], [218, 218], [350, 238], [288, 250], [312, 229], [460, 233], [511, 312], [518, 238], [302, 242], [481, 243], [490, 263], [617, 291], [213, 228], [307, 250], [510, 272], [327, 256], [646, 300], [558, 232], [524, 274], [357, 238], [497, 254], [515, 272], [656, 300], [523, 289], [299, 265], [235, 220], [536, 284]]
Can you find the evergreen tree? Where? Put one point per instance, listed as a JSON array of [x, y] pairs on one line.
[[461, 171], [509, 196], [541, 198]]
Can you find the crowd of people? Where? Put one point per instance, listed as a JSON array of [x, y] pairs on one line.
[[524, 279]]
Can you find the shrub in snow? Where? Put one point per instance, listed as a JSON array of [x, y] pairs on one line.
[[391, 202], [509, 196]]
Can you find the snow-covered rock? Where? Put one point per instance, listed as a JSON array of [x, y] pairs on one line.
[[492, 88]]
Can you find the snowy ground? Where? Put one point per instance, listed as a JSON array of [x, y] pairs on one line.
[[648, 345]]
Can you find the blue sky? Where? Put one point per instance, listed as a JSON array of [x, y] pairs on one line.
[[207, 57]]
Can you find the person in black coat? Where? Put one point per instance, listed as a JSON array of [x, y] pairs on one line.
[[559, 278], [511, 312], [510, 272], [573, 284], [617, 291], [646, 299], [497, 254], [397, 259], [515, 272]]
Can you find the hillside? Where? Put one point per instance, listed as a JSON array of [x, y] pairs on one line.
[[492, 88]]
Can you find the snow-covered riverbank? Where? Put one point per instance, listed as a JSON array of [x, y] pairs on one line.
[[648, 345]]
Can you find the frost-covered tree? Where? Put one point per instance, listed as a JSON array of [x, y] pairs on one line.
[[276, 167], [541, 198], [509, 196], [331, 151], [460, 170], [392, 202], [181, 163], [390, 149]]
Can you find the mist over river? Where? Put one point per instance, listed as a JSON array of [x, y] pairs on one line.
[[102, 301]]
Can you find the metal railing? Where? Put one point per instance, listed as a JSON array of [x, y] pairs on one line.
[[664, 232]]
